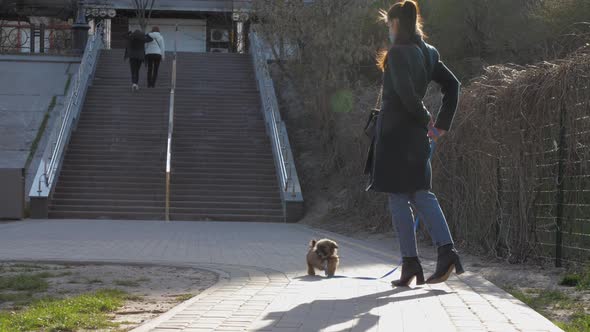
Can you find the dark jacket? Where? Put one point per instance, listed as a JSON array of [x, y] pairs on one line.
[[136, 45], [399, 157]]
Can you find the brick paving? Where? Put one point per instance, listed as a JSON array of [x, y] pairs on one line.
[[263, 286]]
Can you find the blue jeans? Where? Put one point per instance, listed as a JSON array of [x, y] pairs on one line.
[[426, 205]]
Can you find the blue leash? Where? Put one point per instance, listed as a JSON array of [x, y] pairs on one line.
[[416, 222]]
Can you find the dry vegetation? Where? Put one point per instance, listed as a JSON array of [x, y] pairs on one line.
[[497, 172], [520, 140]]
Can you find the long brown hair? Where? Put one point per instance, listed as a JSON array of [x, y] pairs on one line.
[[407, 12]]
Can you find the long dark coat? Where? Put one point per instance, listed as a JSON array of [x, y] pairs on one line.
[[136, 45], [399, 157]]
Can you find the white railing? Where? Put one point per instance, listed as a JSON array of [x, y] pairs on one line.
[[170, 126], [277, 129], [68, 115]]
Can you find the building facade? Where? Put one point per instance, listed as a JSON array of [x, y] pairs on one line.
[[187, 25]]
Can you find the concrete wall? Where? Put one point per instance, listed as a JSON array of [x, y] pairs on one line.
[[12, 187], [27, 87]]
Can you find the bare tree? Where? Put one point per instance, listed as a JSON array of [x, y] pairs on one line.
[[143, 12]]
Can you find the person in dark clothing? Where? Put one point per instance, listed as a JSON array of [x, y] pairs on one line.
[[399, 157], [135, 51]]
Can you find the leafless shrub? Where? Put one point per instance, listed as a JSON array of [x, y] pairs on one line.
[[498, 171]]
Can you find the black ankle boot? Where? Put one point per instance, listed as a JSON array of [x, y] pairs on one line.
[[410, 268], [447, 260]]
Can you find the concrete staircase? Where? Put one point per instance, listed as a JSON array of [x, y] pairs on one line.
[[114, 164], [222, 162], [223, 166]]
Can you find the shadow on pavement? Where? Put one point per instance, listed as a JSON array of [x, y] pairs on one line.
[[321, 314]]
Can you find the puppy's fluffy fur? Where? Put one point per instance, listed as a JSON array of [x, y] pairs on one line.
[[322, 255]]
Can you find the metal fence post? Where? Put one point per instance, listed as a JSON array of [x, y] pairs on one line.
[[42, 38], [32, 39], [560, 188], [499, 188]]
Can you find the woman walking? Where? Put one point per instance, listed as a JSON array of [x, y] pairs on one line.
[[135, 51], [155, 52], [399, 162]]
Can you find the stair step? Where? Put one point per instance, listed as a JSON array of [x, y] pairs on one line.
[[226, 191], [155, 185], [128, 215], [226, 217], [93, 203], [230, 186], [176, 197], [147, 209], [211, 211], [222, 167]]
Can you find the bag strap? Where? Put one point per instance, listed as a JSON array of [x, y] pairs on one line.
[[157, 42], [379, 98]]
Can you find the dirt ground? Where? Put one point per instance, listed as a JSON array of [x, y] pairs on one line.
[[154, 289]]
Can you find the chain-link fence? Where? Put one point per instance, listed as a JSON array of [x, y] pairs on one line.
[[514, 173]]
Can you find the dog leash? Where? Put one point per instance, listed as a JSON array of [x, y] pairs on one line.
[[416, 221]]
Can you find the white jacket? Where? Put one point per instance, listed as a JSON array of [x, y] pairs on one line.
[[156, 46]]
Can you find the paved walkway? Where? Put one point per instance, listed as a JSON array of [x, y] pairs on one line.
[[263, 286]]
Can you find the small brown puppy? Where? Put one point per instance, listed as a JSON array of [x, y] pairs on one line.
[[322, 255]]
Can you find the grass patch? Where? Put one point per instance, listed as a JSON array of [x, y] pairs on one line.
[[85, 281], [129, 283], [24, 282], [17, 298], [580, 280], [540, 301], [27, 266], [68, 83], [94, 281], [132, 297], [570, 280], [580, 322], [46, 275], [88, 311], [64, 274], [548, 300], [184, 297], [40, 132]]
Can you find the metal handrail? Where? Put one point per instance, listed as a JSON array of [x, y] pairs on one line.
[[277, 129], [170, 127], [53, 154]]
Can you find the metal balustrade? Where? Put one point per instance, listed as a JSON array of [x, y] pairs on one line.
[[23, 37], [289, 181], [53, 155], [171, 126]]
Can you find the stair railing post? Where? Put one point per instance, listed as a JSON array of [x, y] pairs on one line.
[[170, 128]]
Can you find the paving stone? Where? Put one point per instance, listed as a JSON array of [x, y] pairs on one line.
[[263, 286]]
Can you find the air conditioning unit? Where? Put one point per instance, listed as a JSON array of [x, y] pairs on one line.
[[219, 50], [219, 35]]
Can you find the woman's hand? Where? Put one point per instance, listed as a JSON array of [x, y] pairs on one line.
[[435, 133]]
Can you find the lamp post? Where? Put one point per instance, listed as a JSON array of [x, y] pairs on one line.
[[80, 29]]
